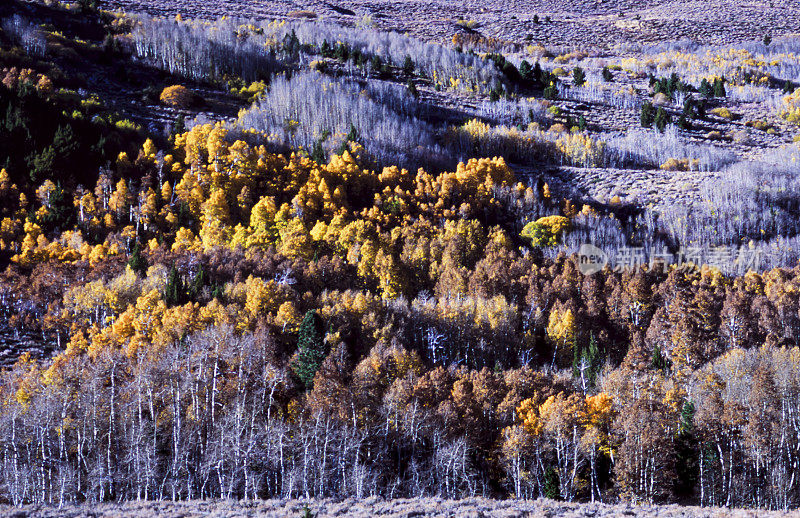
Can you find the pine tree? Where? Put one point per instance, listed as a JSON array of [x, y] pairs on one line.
[[497, 92], [175, 292], [647, 115], [198, 282], [551, 484], [325, 49], [408, 66], [318, 153], [586, 362], [578, 76], [526, 71], [659, 362], [537, 73], [705, 89], [551, 91], [178, 127], [137, 262], [687, 454], [352, 135], [412, 89], [377, 64], [719, 87], [310, 348], [662, 119], [607, 75]]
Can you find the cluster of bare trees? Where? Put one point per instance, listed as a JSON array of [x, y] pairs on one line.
[[202, 52], [311, 107], [218, 415], [207, 418], [431, 59], [25, 34]]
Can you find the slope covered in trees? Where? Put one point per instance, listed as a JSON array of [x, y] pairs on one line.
[[240, 313]]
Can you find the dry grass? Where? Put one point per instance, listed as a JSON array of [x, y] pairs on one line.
[[429, 507]]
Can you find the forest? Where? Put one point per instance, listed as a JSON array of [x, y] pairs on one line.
[[296, 303]]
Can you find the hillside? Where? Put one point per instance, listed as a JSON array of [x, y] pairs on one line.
[[249, 258], [571, 23]]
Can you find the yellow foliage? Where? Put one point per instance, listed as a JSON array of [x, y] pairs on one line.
[[177, 96]]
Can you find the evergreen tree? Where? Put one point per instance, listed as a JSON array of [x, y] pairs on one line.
[[647, 115], [662, 119], [551, 91], [408, 66], [179, 126], [311, 349], [767, 40], [608, 76], [788, 87], [412, 89], [198, 283], [551, 484], [138, 262], [175, 292], [687, 454], [705, 89], [586, 361], [659, 362], [537, 72], [578, 76], [719, 87], [497, 92], [318, 153], [325, 49], [352, 135], [526, 71], [689, 105], [59, 215]]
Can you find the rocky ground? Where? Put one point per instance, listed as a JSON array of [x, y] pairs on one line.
[[372, 507], [569, 23]]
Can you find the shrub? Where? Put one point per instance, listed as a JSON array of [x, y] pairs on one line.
[[723, 112], [177, 96], [309, 15], [680, 164], [791, 107], [546, 231]]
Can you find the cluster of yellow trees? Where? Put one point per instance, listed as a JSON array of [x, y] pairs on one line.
[[197, 285]]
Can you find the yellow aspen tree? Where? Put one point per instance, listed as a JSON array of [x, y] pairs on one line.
[[561, 332], [216, 228]]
